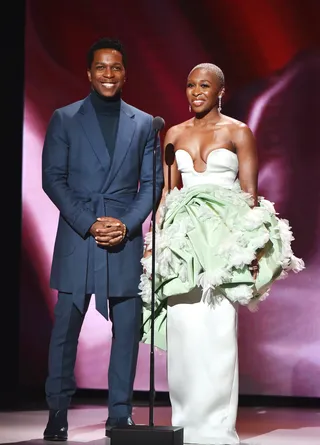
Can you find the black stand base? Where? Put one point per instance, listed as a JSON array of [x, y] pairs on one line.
[[146, 435]]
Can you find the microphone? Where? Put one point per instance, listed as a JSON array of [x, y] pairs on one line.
[[169, 160], [169, 154], [158, 123]]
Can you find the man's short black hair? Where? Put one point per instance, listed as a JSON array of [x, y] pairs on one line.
[[106, 43]]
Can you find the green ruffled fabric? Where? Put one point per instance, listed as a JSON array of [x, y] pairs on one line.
[[207, 237]]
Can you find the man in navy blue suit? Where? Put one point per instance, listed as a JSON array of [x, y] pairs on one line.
[[97, 168]]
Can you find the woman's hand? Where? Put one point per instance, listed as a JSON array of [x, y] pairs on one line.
[[254, 268], [146, 254]]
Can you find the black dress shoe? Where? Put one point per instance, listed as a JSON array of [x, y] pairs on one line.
[[117, 421], [57, 426]]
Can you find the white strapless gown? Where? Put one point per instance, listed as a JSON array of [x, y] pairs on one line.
[[202, 353]]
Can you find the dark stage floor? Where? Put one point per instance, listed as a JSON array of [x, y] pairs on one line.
[[256, 425]]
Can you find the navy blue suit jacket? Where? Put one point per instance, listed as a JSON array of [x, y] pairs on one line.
[[80, 179]]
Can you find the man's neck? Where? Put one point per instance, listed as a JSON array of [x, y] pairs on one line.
[[98, 96]]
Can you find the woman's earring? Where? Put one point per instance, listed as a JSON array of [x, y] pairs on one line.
[[189, 108], [220, 103]]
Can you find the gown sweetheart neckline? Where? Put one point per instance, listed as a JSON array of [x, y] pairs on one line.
[[210, 153]]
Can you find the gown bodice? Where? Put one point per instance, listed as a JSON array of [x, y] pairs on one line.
[[222, 168]]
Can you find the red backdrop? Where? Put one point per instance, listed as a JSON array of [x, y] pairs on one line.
[[269, 53]]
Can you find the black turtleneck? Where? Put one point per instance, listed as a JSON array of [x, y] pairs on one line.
[[108, 112]]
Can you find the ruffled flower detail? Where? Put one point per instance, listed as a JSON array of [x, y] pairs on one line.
[[208, 235]]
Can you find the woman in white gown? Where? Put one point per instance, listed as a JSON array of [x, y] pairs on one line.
[[211, 254]]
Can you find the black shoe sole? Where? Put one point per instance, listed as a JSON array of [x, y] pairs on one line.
[[108, 432], [55, 438]]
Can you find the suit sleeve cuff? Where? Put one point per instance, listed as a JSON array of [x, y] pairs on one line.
[[130, 227], [84, 222]]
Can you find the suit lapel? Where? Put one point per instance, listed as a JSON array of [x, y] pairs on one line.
[[126, 129], [90, 124]]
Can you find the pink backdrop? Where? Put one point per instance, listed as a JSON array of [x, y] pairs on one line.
[[272, 69]]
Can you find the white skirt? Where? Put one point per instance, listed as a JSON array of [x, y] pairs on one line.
[[202, 360]]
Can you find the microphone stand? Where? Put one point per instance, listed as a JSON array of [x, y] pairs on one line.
[[152, 393], [150, 434]]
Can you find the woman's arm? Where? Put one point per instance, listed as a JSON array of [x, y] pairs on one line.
[[245, 144]]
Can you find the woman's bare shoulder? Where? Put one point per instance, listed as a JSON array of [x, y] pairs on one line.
[[237, 129], [235, 124], [174, 132]]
